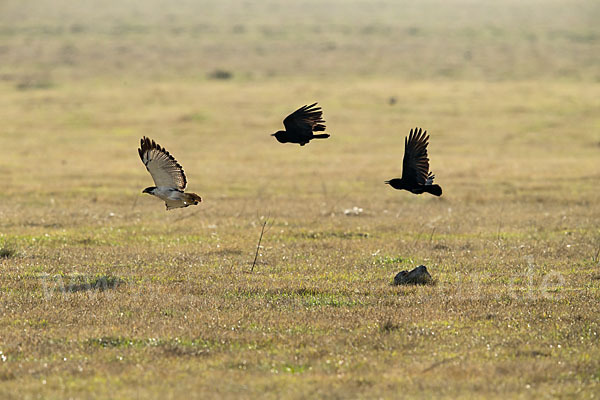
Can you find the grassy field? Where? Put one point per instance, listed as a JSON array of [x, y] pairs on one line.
[[104, 294]]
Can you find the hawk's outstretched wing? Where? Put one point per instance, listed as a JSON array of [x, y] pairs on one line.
[[415, 165], [165, 170], [305, 120]]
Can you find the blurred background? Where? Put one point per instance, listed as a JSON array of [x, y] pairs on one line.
[[48, 43], [509, 91]]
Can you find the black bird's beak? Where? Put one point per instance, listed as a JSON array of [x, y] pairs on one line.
[[272, 134], [387, 182]]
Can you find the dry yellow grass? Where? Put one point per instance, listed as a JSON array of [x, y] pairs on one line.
[[104, 294]]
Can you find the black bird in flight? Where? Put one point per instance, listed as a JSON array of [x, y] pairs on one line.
[[300, 125], [416, 177]]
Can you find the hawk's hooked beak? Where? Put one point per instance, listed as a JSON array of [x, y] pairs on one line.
[[147, 190]]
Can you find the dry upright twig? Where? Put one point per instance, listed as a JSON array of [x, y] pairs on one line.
[[596, 258], [262, 232], [134, 202], [431, 236]]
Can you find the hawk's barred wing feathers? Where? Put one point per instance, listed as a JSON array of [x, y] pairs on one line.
[[165, 170]]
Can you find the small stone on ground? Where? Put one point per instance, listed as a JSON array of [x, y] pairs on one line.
[[418, 276]]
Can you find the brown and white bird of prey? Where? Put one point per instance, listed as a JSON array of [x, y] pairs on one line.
[[167, 174], [416, 177], [300, 125]]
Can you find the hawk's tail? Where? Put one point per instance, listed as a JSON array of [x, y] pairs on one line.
[[321, 136], [192, 198]]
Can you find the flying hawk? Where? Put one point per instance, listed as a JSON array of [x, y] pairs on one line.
[[167, 174], [416, 177], [300, 124]]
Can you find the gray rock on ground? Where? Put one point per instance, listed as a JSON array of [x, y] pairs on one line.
[[418, 276]]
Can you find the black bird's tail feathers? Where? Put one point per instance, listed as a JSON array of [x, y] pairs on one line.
[[435, 190], [321, 136]]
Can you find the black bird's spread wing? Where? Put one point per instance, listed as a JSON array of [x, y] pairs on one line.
[[415, 166], [305, 120], [165, 170]]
